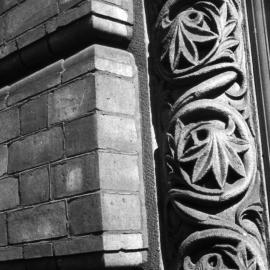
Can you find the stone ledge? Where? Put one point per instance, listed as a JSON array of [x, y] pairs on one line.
[[79, 28]]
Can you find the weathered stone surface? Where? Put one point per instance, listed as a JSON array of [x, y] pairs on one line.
[[9, 193], [38, 223], [118, 172], [75, 176], [3, 96], [114, 94], [72, 100], [3, 229], [29, 14], [34, 115], [85, 214], [114, 242], [80, 135], [101, 131], [39, 250], [11, 253], [101, 58], [35, 186], [31, 36], [120, 212], [123, 259], [78, 245], [36, 149], [66, 4], [3, 159], [36, 83], [117, 133], [7, 4], [10, 124]]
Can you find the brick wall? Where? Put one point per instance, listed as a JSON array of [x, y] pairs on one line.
[[70, 162]]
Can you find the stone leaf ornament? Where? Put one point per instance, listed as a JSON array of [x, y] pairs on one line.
[[213, 205]]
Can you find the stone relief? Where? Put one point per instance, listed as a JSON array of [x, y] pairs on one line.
[[213, 207]]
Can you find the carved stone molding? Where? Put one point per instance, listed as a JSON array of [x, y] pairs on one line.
[[213, 207]]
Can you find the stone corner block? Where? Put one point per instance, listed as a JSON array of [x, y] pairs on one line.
[[100, 58]]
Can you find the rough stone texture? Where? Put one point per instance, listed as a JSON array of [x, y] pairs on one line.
[[9, 193], [3, 159], [80, 135], [34, 115], [117, 133], [38, 250], [114, 94], [74, 176], [101, 58], [120, 212], [102, 131], [10, 253], [85, 214], [3, 96], [29, 14], [3, 229], [36, 83], [35, 186], [36, 149], [78, 245], [7, 4], [122, 259], [72, 100], [118, 172], [38, 223], [10, 124], [117, 242]]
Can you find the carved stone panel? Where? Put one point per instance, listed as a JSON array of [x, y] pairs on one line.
[[213, 211]]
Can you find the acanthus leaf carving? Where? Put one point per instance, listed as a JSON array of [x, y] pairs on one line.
[[207, 141]]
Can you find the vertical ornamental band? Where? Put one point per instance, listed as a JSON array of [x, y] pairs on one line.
[[213, 207]]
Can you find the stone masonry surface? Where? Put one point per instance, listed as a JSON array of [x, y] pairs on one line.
[[70, 179]]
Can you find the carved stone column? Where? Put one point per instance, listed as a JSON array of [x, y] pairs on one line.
[[211, 181]]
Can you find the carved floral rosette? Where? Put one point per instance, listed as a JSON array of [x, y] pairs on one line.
[[213, 205]]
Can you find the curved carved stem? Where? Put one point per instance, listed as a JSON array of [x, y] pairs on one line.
[[213, 205]]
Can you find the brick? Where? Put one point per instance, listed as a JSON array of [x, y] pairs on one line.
[[79, 245], [38, 223], [123, 260], [117, 133], [7, 48], [29, 14], [85, 214], [39, 250], [7, 4], [31, 36], [75, 176], [35, 150], [35, 186], [114, 94], [3, 159], [10, 253], [9, 193], [97, 57], [10, 124], [101, 131], [36, 83], [3, 97], [120, 212], [117, 242], [118, 172], [80, 135], [3, 229], [72, 100], [34, 115]]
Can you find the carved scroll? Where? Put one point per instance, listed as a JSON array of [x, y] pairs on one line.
[[213, 205]]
